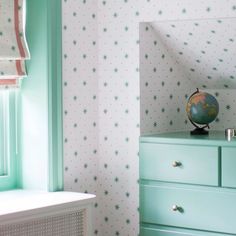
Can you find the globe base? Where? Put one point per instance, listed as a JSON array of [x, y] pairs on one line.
[[199, 131]]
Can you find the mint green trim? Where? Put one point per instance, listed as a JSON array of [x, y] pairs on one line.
[[215, 138], [41, 99], [18, 123], [34, 100], [154, 230], [55, 95]]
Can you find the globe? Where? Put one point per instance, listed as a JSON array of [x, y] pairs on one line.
[[202, 108]]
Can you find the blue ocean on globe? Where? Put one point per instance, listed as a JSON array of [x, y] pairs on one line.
[[202, 108]]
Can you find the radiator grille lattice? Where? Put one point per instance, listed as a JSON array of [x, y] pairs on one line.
[[70, 224]]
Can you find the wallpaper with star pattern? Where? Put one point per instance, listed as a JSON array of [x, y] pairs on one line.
[[102, 78], [173, 66]]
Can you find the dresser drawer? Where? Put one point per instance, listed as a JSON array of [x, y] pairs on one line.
[[156, 232], [179, 163], [229, 167], [197, 208], [170, 231]]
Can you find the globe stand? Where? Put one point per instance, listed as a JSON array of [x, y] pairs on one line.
[[199, 131]]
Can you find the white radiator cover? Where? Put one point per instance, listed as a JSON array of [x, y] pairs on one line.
[[24, 213], [72, 224]]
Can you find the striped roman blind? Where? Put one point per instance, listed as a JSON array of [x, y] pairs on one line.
[[13, 46]]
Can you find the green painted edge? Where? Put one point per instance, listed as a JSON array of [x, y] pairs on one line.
[[215, 138], [55, 123], [168, 230], [19, 183]]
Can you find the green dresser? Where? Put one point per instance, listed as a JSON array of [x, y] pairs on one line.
[[187, 185]]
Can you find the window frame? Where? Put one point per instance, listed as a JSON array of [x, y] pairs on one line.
[[10, 180], [55, 96], [52, 31]]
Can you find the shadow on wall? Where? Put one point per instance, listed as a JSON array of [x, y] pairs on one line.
[[176, 57]]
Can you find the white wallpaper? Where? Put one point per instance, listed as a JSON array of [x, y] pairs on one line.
[[164, 87], [171, 69], [102, 99], [205, 49], [80, 79]]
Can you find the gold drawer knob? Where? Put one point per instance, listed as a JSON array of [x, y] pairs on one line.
[[176, 163], [175, 208]]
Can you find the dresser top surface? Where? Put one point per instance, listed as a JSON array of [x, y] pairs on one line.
[[216, 138]]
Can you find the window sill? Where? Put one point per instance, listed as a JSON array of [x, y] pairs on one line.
[[22, 205]]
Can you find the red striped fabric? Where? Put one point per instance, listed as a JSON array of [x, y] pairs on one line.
[[8, 82], [17, 31], [13, 43], [19, 68]]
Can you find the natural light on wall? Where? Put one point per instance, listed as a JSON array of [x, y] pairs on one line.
[[13, 46], [4, 133]]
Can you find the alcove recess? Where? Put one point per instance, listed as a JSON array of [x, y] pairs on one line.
[[176, 57]]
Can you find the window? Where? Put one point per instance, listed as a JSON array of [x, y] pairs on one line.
[[13, 53], [8, 139], [31, 117]]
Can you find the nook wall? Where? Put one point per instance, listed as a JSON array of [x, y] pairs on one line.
[[102, 99]]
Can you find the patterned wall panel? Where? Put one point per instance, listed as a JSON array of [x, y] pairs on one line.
[[172, 67], [102, 99], [164, 87], [205, 49], [80, 79]]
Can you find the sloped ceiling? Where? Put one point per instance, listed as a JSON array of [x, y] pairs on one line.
[[205, 49]]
